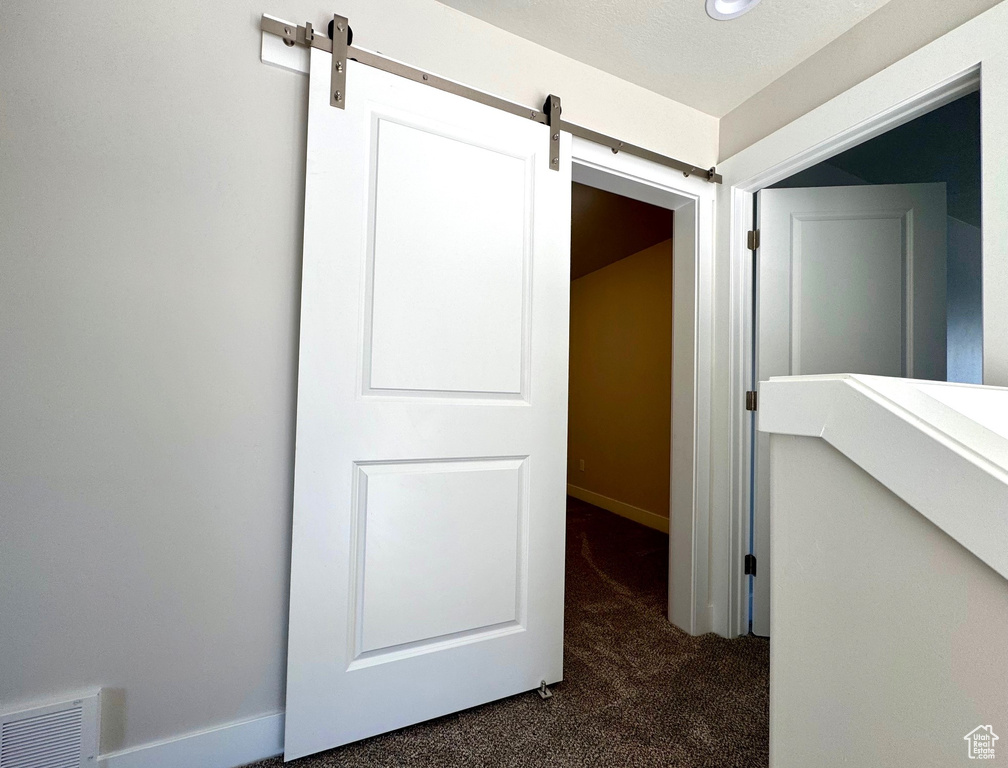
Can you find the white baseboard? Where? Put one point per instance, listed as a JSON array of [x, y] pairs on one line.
[[226, 746], [247, 741], [629, 511]]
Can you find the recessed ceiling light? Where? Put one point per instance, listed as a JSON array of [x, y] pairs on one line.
[[722, 10]]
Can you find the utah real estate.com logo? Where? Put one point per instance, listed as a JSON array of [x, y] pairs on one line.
[[980, 743]]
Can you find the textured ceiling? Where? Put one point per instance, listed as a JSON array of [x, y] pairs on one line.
[[606, 228], [672, 47]]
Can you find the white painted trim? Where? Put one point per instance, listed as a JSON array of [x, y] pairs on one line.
[[629, 511], [896, 112], [940, 72], [696, 558], [740, 371], [225, 746], [948, 467]]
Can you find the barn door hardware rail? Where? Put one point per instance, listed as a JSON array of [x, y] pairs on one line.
[[339, 42]]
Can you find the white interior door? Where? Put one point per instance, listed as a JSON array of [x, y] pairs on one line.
[[429, 489], [849, 280]]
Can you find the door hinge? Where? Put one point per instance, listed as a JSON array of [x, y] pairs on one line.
[[544, 691], [750, 400], [750, 565], [752, 240]]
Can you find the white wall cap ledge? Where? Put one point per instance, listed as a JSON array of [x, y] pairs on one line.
[[942, 448]]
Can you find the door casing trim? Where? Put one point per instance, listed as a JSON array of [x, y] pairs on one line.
[[737, 198], [691, 606]]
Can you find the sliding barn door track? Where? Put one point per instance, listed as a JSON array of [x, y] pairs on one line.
[[339, 42]]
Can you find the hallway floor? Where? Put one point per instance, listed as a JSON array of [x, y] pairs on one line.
[[637, 691]]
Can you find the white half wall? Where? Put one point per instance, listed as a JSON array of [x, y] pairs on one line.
[[888, 636], [151, 194]]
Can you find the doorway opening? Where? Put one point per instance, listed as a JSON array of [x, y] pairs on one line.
[[619, 418], [620, 488], [620, 373], [870, 263], [692, 529], [941, 147]]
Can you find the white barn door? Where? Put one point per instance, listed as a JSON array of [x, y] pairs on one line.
[[429, 484], [850, 280]]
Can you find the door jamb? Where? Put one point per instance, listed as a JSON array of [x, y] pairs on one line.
[[740, 193], [692, 200]]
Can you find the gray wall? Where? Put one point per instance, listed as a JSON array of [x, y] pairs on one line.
[[151, 200], [151, 194]]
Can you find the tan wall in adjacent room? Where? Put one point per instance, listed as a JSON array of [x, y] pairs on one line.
[[621, 382]]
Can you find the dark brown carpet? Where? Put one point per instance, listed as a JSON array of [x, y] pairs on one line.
[[637, 692]]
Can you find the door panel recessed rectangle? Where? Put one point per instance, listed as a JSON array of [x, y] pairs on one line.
[[839, 283], [439, 551], [449, 245]]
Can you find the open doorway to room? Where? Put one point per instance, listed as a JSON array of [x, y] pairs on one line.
[[620, 375], [618, 641], [619, 417], [867, 263], [941, 147]]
